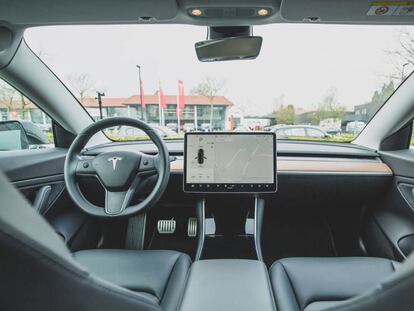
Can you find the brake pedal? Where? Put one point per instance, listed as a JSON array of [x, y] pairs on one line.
[[166, 226], [192, 227]]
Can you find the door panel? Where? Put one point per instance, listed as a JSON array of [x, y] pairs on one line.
[[38, 174], [390, 226], [27, 165]]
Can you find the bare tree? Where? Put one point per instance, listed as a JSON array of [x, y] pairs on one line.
[[210, 88], [330, 107], [403, 55], [7, 96], [279, 102], [82, 85], [23, 106]]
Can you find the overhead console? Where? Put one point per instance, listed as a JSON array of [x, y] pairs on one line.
[[231, 11], [230, 162]]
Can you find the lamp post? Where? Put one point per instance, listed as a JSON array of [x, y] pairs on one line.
[[99, 98], [402, 71], [141, 99]]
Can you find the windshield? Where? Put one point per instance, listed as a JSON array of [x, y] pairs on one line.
[[310, 82]]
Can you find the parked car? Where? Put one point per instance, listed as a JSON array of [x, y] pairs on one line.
[[164, 131], [333, 130], [205, 127], [188, 127], [355, 127], [131, 132], [305, 131], [172, 126], [242, 128]]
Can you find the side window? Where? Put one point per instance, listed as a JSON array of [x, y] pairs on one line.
[[22, 124], [314, 133], [295, 132], [412, 138]]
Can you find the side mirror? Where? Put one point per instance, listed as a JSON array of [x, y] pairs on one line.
[[13, 136]]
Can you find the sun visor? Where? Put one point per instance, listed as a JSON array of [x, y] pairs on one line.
[[350, 11], [45, 12]]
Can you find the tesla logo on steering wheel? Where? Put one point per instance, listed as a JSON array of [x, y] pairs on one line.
[[114, 160]]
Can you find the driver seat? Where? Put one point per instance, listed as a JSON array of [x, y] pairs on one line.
[[39, 273]]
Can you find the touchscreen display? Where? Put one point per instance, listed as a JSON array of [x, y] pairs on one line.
[[226, 162]]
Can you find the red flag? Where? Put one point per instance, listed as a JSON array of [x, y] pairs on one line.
[[162, 101], [181, 98], [141, 93], [231, 122]]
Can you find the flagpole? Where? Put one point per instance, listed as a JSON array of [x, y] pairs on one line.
[[159, 103], [141, 96], [178, 116]]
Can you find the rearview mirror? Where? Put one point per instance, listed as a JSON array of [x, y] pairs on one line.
[[234, 48], [13, 136]]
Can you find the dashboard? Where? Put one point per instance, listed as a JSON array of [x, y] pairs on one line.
[[293, 157]]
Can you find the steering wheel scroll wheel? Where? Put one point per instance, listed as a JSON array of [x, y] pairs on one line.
[[120, 172]]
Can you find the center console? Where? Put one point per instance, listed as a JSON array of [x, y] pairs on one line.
[[228, 284], [232, 275], [217, 166], [229, 227]]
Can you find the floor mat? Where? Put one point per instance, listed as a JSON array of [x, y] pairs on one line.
[[179, 240], [290, 232]]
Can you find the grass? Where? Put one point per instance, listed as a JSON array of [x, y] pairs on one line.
[[342, 138], [49, 136]]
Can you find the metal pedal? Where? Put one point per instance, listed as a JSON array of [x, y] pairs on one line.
[[192, 227], [166, 226]]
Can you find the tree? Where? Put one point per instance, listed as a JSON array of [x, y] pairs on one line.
[[278, 102], [403, 55], [380, 97], [82, 85], [329, 107], [23, 106], [7, 95], [210, 88], [285, 115]]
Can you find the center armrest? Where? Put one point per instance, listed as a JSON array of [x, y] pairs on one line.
[[228, 284]]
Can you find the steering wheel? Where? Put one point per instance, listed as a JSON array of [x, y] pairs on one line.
[[120, 172]]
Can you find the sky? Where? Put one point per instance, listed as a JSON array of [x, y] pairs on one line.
[[297, 62]]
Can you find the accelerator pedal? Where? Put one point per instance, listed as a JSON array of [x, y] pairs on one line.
[[166, 226], [192, 227]]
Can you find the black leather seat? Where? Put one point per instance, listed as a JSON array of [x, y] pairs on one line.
[[319, 283], [37, 271], [161, 274]]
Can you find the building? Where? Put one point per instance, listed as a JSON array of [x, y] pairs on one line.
[[111, 107], [197, 109], [26, 110], [365, 112]]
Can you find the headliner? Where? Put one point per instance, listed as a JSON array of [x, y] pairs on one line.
[[27, 13]]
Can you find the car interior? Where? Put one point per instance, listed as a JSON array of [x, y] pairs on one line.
[[215, 218]]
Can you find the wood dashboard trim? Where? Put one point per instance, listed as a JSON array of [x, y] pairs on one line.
[[330, 166]]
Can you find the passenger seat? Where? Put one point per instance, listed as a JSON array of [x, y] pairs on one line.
[[330, 284]]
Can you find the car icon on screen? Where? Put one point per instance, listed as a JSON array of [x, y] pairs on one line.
[[200, 156]]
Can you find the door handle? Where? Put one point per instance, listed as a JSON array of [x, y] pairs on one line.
[[41, 199]]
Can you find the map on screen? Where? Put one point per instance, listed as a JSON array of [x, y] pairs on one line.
[[230, 158]]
